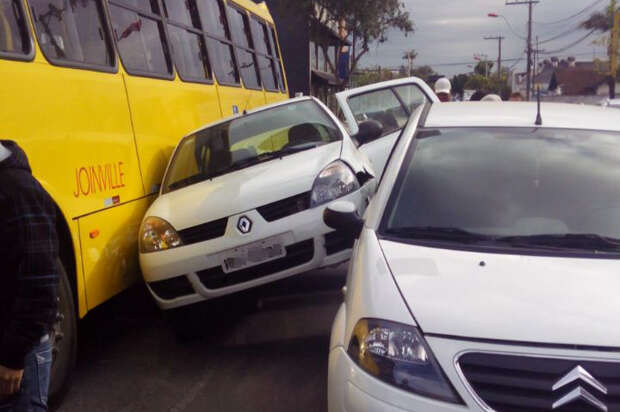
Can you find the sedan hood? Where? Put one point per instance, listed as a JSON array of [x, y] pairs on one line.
[[552, 300], [245, 189]]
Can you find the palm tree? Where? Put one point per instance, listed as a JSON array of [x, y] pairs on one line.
[[410, 56]]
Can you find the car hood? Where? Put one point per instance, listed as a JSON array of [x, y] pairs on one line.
[[245, 189], [554, 300]]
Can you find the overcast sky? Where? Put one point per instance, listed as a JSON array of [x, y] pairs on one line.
[[452, 31]]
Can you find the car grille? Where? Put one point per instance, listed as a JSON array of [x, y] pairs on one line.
[[337, 242], [285, 207], [172, 288], [296, 255], [509, 383], [204, 232]]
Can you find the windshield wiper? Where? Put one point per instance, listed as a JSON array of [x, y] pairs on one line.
[[438, 233], [583, 241], [295, 149]]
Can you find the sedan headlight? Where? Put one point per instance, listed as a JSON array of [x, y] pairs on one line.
[[397, 354], [335, 181], [156, 234]]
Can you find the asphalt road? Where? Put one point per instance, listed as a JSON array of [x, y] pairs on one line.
[[265, 350]]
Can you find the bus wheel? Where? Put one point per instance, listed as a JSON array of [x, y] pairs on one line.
[[63, 338]]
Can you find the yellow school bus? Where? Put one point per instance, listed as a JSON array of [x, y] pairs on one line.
[[97, 93]]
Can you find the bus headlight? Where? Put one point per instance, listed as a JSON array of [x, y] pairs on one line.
[[156, 234], [335, 181]]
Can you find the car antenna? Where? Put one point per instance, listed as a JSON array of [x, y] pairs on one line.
[[539, 121]]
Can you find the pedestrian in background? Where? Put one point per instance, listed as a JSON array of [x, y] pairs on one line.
[[477, 96], [28, 284], [443, 89], [491, 98]]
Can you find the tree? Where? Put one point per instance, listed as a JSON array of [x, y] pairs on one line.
[[425, 73], [410, 56], [600, 21], [366, 22], [483, 67]]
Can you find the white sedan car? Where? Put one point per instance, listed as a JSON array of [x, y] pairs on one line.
[[487, 269], [242, 200]]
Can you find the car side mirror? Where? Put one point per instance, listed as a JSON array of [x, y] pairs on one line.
[[343, 217], [368, 131]]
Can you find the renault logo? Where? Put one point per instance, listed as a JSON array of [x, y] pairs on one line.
[[244, 224], [579, 393]]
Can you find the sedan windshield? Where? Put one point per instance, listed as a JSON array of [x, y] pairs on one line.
[[249, 140], [547, 189]]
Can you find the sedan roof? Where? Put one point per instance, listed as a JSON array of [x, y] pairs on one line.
[[522, 114]]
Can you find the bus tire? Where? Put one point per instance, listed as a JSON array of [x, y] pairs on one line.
[[63, 338]]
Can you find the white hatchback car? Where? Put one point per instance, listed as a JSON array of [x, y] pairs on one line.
[[487, 269], [242, 200]]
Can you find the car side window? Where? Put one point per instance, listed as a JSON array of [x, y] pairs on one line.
[[412, 96], [14, 38], [140, 37], [382, 106], [72, 32]]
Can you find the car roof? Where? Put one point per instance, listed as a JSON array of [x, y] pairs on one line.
[[522, 114], [252, 111]]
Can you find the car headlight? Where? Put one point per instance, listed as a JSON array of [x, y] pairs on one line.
[[335, 181], [397, 354], [156, 234]]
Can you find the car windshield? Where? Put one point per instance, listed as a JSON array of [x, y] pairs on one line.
[[529, 188], [249, 140]]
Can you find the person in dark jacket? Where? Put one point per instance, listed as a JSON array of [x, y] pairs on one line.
[[28, 283]]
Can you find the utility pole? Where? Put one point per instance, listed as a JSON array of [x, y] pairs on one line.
[[613, 51], [499, 54], [530, 4]]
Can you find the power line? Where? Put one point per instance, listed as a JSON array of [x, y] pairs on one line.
[[568, 46], [594, 4]]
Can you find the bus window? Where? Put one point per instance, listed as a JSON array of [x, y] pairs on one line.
[[141, 40], [72, 32], [213, 19], [276, 58], [240, 28], [223, 62], [262, 46], [14, 39], [188, 45]]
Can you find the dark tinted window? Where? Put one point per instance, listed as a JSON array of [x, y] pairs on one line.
[[140, 40], [276, 55], [259, 33], [510, 182], [14, 38], [142, 5], [267, 73], [223, 62], [189, 54], [213, 17], [240, 27], [180, 11], [72, 31], [248, 68]]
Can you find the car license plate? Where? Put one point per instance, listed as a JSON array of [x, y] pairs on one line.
[[252, 254]]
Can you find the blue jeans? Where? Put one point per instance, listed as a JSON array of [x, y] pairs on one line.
[[32, 396]]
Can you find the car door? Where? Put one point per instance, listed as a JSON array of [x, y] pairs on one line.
[[391, 103]]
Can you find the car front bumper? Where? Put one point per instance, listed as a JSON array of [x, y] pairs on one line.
[[188, 266]]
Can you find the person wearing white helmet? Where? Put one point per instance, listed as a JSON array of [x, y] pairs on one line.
[[491, 98], [443, 89]]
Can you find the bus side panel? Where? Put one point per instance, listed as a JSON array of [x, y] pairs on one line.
[[164, 111], [75, 128], [243, 99], [275, 97], [110, 249]]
